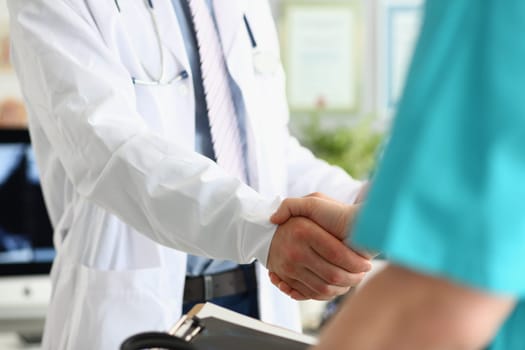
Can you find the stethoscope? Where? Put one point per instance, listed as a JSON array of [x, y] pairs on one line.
[[264, 62], [161, 80], [149, 340]]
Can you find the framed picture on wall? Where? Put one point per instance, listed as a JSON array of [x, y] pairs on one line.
[[321, 53], [400, 25]]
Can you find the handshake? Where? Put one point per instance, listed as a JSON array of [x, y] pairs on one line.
[[308, 257]]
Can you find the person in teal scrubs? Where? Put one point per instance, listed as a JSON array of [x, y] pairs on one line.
[[447, 205]]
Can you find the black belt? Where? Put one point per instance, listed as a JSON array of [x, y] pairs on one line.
[[206, 287]]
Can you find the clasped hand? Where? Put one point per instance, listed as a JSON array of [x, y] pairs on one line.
[[308, 258]]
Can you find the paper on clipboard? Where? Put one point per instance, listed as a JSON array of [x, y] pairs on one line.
[[208, 325]]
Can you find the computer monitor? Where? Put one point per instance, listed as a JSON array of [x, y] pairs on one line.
[[26, 248]]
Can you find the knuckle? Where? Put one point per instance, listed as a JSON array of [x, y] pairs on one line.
[[296, 223], [357, 278], [336, 255], [324, 290], [337, 278], [312, 204], [339, 256], [308, 294], [284, 287], [288, 269], [296, 255], [286, 202], [300, 231], [340, 291], [299, 288]]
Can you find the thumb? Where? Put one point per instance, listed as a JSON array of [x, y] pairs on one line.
[[289, 207], [298, 207], [331, 215]]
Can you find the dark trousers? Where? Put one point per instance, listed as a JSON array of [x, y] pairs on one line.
[[244, 303]]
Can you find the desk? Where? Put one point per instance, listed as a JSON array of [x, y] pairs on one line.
[[10, 341]]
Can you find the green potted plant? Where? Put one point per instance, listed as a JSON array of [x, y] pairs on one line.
[[353, 148]]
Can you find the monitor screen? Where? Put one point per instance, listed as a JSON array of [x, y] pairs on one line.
[[26, 245]]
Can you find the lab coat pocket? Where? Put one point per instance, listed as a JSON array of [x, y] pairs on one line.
[[120, 303], [272, 93], [270, 130], [272, 115]]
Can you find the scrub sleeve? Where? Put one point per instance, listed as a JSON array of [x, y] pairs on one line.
[[449, 197]]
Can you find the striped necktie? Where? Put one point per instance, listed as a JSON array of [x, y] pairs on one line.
[[221, 110]]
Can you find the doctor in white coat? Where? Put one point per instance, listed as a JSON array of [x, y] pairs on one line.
[[127, 194]]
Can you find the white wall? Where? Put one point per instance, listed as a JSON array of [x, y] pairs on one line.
[[376, 49]]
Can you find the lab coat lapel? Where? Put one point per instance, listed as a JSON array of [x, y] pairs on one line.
[[171, 35], [235, 42], [239, 61], [236, 47], [228, 16]]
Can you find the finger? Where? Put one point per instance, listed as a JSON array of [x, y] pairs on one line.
[[366, 254], [312, 206], [314, 286], [297, 207], [333, 216], [333, 275], [330, 275], [306, 286], [285, 288], [337, 253], [289, 207], [321, 196], [301, 290], [294, 294], [289, 285], [275, 279]]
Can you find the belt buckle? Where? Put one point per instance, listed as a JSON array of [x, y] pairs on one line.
[[208, 287]]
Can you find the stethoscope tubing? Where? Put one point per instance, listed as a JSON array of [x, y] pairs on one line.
[[150, 340], [161, 80], [117, 4]]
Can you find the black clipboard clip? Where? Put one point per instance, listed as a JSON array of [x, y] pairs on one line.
[[178, 338]]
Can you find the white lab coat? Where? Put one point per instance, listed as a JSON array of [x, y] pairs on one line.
[[126, 192]]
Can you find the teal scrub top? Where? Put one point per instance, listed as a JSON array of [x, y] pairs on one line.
[[449, 196]]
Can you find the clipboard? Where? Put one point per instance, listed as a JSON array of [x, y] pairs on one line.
[[211, 327]]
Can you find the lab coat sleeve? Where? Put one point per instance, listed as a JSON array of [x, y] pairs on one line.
[[83, 98], [309, 174]]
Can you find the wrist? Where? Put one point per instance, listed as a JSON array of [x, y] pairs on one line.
[[258, 233]]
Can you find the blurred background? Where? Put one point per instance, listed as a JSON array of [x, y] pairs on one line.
[[345, 61]]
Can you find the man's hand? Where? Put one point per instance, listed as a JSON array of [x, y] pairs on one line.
[[311, 263], [334, 217]]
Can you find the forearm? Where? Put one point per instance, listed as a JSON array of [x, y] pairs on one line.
[[400, 309], [84, 102]]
